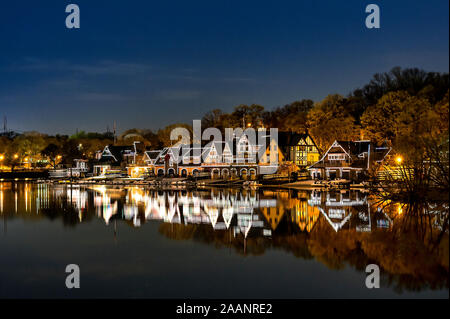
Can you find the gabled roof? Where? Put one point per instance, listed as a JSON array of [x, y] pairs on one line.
[[219, 146], [358, 151], [286, 139], [354, 148], [152, 155], [160, 156], [115, 152]]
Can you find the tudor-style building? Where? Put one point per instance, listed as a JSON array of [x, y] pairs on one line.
[[348, 160], [220, 159], [299, 149]]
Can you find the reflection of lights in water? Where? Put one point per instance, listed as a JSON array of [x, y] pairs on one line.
[[213, 214], [100, 188], [196, 208], [108, 211], [227, 214], [136, 221], [399, 209], [130, 211], [136, 195], [79, 198]]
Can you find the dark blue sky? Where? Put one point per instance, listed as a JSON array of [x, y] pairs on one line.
[[150, 63]]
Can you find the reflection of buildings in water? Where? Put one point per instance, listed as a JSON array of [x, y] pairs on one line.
[[103, 204], [339, 208], [295, 210], [222, 210], [78, 199], [42, 197], [305, 216], [241, 212], [439, 215]]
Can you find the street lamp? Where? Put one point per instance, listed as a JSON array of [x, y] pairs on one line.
[[16, 156], [2, 157], [399, 159]]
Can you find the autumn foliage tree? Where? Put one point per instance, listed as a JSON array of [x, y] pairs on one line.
[[330, 120]]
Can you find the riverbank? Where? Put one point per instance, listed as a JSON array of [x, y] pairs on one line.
[[189, 183], [23, 174]]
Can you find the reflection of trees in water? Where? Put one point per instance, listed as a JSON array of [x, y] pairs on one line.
[[406, 260], [68, 214], [413, 254], [62, 207], [295, 244], [219, 238], [413, 251]]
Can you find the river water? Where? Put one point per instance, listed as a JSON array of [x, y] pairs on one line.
[[135, 242]]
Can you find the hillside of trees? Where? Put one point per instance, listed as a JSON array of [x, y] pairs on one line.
[[404, 108]]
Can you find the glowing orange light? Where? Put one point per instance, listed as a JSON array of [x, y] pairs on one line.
[[399, 209], [2, 157], [399, 159], [16, 155]]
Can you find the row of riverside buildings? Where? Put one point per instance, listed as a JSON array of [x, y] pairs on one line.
[[241, 158]]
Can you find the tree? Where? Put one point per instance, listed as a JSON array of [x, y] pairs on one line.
[[405, 120], [291, 117], [411, 80], [134, 135], [89, 146], [52, 152], [329, 120], [213, 119], [29, 146], [4, 148], [442, 110], [69, 151], [244, 114], [379, 121], [420, 138], [164, 134]]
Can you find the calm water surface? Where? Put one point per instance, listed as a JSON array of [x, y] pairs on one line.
[[137, 242]]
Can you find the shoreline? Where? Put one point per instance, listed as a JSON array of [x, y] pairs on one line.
[[168, 182]]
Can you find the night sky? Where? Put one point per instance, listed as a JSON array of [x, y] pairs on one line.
[[147, 64]]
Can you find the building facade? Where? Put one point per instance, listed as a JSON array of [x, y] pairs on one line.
[[348, 160], [300, 149]]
